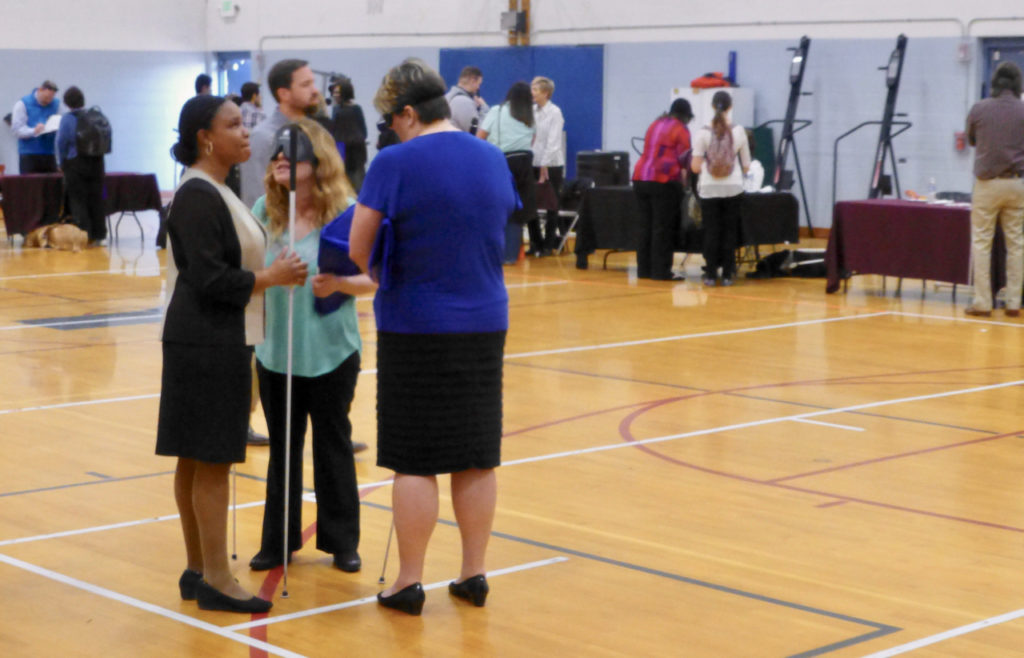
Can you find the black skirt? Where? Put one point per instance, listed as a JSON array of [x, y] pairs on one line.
[[205, 394], [439, 401]]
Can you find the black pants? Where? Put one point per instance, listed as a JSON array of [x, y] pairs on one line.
[[660, 208], [83, 180], [720, 218], [37, 164], [551, 236], [326, 400]]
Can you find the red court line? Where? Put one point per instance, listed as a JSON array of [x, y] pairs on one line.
[[900, 455], [625, 432], [273, 579]]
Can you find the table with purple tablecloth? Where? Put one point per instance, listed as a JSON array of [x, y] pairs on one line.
[[907, 239], [33, 200]]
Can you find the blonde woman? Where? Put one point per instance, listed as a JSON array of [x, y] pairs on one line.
[[326, 357]]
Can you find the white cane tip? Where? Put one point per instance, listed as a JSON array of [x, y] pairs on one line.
[[284, 594]]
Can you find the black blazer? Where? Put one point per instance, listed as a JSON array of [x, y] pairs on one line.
[[212, 290]]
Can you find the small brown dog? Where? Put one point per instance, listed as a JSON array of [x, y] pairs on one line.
[[65, 237]]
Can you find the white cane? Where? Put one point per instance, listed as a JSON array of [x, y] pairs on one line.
[[292, 154]]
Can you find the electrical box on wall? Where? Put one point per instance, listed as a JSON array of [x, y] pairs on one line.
[[228, 9]]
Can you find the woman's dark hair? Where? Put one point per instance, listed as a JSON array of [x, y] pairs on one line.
[[197, 114], [74, 98], [1006, 76], [413, 83], [722, 102], [520, 102], [345, 88], [680, 109]]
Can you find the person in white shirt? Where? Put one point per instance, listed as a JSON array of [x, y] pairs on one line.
[[548, 162], [720, 192]]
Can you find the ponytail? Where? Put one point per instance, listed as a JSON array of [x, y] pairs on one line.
[[722, 102]]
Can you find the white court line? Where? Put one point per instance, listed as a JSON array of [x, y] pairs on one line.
[[836, 425], [47, 276], [707, 334], [149, 607], [959, 319], [114, 526], [68, 323], [599, 346], [615, 446], [758, 423], [536, 284], [372, 599], [939, 637], [82, 403]]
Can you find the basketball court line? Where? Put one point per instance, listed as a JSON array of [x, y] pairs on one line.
[[824, 424], [86, 273], [148, 607], [563, 350], [926, 316], [607, 447], [373, 599], [946, 635]]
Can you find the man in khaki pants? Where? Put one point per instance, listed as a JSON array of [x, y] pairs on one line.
[[996, 127]]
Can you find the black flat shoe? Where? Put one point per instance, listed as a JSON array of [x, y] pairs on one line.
[[348, 561], [473, 589], [187, 584], [408, 600], [264, 561], [212, 599]]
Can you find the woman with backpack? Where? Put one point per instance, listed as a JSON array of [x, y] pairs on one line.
[[658, 183], [715, 151], [511, 127]]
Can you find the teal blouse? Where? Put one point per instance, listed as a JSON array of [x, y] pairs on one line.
[[321, 342]]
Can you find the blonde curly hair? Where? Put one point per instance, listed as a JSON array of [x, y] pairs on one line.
[[332, 190]]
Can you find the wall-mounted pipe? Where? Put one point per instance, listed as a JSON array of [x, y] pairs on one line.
[[783, 23]]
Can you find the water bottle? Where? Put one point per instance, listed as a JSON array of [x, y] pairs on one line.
[[931, 189]]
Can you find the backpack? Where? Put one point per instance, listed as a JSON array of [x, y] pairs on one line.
[[92, 136], [721, 154]]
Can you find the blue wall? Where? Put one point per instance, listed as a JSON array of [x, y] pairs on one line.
[[578, 74]]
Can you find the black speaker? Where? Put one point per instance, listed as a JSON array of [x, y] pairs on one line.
[[603, 167]]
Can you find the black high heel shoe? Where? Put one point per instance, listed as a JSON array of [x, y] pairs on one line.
[[187, 584], [473, 589], [210, 598], [408, 600]]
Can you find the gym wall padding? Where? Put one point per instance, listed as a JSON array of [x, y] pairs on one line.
[[578, 74]]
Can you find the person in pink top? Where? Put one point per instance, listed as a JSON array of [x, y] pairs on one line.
[[658, 183]]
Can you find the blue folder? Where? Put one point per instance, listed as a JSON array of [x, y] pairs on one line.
[[334, 258]]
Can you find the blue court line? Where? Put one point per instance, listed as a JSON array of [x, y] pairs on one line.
[[95, 320], [879, 628], [108, 480]]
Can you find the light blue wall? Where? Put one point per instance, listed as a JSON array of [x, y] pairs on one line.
[[847, 89], [140, 92]]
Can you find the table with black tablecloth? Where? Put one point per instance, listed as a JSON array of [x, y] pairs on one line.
[[906, 239], [34, 200], [609, 218]]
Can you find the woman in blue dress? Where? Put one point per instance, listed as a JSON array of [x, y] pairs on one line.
[[442, 316]]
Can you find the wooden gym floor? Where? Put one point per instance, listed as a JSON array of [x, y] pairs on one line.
[[762, 470]]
